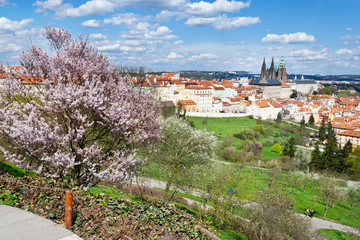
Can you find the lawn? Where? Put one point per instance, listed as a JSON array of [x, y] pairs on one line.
[[226, 127], [337, 235], [310, 198]]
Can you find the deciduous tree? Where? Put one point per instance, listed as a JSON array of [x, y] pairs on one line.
[[181, 149], [86, 120]]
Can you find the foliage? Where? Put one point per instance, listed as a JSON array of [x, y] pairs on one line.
[[317, 162], [100, 216], [181, 149], [279, 117], [88, 119], [328, 192], [322, 130], [311, 121], [276, 147], [290, 148], [273, 218], [302, 159], [337, 235]]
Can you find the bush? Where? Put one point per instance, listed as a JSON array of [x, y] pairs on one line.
[[227, 153], [259, 128], [276, 147], [269, 142]]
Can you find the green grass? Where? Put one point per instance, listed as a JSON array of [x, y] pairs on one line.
[[256, 182], [224, 127], [13, 170], [337, 235]]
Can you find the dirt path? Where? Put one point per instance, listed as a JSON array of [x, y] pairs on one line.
[[317, 223]]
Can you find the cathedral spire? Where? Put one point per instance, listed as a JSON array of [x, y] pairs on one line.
[[272, 70], [263, 70]]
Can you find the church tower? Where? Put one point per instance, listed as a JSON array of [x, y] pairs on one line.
[[281, 72], [263, 70], [272, 70]]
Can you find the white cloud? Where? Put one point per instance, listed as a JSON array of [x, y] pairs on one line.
[[125, 19], [174, 55], [343, 51], [306, 54], [350, 37], [97, 36], [5, 2], [93, 7], [200, 21], [299, 37], [223, 22], [7, 25], [109, 47], [91, 23], [226, 23], [164, 15], [50, 4], [203, 56], [206, 9]]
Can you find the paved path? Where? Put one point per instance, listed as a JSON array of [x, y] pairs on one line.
[[297, 124], [317, 223], [17, 224]]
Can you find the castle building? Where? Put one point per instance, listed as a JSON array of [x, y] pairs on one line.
[[269, 83]]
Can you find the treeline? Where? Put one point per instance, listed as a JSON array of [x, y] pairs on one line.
[[334, 158]]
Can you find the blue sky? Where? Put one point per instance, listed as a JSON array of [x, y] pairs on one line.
[[314, 36]]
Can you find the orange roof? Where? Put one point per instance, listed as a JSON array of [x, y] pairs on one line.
[[262, 104], [275, 104], [227, 84], [351, 133], [178, 82], [187, 102], [31, 80], [196, 87], [285, 85], [219, 88]]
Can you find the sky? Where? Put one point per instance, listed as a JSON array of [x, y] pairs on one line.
[[314, 36]]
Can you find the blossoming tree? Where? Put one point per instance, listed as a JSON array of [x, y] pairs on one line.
[[84, 121]]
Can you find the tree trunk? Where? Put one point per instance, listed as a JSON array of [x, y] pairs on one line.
[[312, 184], [305, 187], [169, 182], [292, 190], [326, 207]]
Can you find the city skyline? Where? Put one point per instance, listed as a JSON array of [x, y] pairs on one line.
[[315, 37]]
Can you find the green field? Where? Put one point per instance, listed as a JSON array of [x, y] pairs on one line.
[[226, 127], [337, 235], [310, 198]]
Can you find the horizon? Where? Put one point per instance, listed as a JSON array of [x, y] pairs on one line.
[[320, 37]]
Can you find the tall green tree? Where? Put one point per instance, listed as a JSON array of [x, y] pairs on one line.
[[279, 117], [322, 131], [316, 158], [290, 148], [331, 155], [311, 121]]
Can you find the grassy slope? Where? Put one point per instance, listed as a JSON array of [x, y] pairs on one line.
[[308, 199], [337, 235], [226, 127]]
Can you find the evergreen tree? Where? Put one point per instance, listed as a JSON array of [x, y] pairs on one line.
[[331, 156], [316, 159], [302, 122], [322, 130], [279, 117], [311, 121], [341, 165], [290, 148]]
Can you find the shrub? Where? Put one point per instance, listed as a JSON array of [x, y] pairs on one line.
[[276, 147], [227, 153]]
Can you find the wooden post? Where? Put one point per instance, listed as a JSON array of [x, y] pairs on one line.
[[68, 209]]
